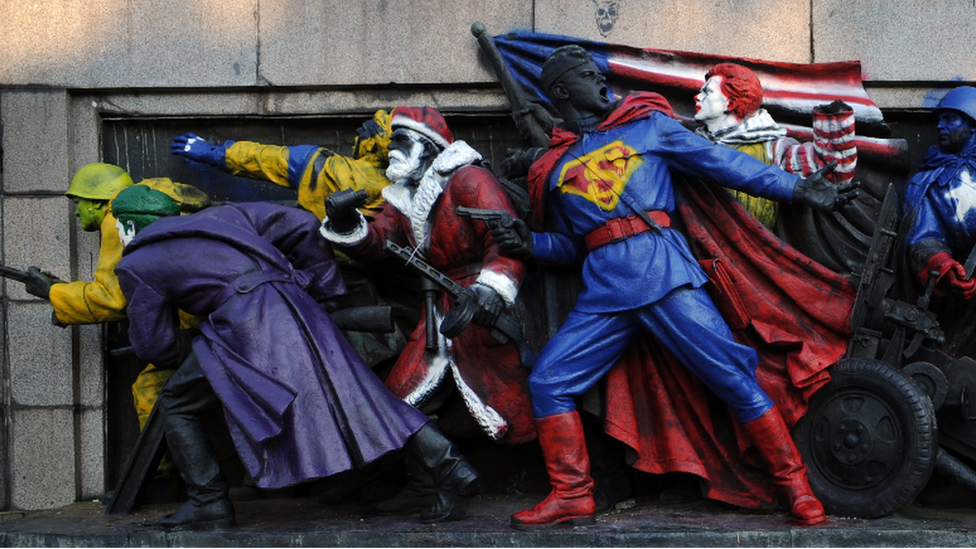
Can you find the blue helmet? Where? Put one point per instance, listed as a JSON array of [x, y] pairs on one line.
[[961, 99]]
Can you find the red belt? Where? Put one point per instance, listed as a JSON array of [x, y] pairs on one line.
[[621, 228]]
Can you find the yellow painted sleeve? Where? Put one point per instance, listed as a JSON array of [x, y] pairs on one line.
[[257, 161], [100, 300], [339, 173]]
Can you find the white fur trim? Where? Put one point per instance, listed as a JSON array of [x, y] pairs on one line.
[[505, 286], [419, 127], [351, 238], [490, 420], [437, 365], [416, 203], [458, 155], [398, 194]]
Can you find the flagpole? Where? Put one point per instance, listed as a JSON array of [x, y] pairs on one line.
[[537, 137]]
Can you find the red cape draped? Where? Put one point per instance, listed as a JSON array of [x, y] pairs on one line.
[[797, 314]]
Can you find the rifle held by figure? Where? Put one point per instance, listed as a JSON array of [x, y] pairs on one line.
[[14, 274], [506, 329], [36, 282]]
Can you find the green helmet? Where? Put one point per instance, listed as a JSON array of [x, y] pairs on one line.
[[143, 206], [141, 200], [98, 182]]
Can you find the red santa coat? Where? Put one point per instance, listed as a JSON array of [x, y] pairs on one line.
[[487, 373]]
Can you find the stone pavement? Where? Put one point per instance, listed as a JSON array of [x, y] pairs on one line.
[[303, 522]]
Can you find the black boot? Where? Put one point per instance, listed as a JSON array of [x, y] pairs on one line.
[[418, 493], [209, 506], [454, 478]]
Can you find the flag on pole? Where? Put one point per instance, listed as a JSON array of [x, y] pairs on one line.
[[787, 87]]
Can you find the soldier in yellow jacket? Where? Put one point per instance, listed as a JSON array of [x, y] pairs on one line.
[[101, 300]]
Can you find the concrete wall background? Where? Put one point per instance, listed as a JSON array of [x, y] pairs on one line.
[[64, 64]]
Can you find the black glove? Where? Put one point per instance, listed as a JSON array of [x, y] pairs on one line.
[[819, 193], [481, 305], [39, 284], [518, 161], [489, 303], [342, 209], [513, 237]]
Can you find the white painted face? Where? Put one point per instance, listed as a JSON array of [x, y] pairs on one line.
[[710, 103], [406, 156], [126, 232]]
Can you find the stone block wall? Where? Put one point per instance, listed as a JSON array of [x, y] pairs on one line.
[[65, 65]]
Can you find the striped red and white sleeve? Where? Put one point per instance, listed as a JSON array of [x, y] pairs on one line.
[[833, 134]]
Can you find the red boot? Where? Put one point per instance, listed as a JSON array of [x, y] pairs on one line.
[[571, 499], [773, 440]]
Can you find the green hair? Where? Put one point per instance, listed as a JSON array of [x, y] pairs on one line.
[[142, 206]]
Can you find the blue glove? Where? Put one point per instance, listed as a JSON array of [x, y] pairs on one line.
[[199, 149]]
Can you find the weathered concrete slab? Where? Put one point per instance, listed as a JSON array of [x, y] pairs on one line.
[[777, 31], [143, 43], [41, 460], [40, 357], [35, 139], [343, 43], [137, 43], [298, 103], [91, 364], [302, 522], [36, 233], [897, 41], [84, 133], [91, 449], [4, 460]]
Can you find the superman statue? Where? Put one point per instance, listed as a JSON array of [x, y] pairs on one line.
[[607, 183]]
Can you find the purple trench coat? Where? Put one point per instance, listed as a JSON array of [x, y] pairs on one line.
[[298, 400]]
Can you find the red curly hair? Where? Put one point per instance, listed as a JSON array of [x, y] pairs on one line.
[[741, 86]]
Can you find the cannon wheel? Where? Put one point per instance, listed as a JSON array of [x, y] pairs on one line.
[[868, 439]]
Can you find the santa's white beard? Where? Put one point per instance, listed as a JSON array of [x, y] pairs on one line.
[[403, 166]]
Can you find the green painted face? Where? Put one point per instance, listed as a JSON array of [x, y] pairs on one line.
[[91, 213]]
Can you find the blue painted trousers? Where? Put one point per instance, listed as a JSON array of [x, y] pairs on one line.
[[685, 321]]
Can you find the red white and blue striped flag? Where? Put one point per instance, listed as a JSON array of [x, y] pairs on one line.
[[787, 87]]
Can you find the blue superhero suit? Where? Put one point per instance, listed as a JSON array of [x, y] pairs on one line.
[[941, 198], [648, 280]]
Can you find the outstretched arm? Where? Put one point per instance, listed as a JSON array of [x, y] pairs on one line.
[[694, 155]]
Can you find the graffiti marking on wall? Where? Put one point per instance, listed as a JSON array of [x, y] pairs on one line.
[[607, 12]]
